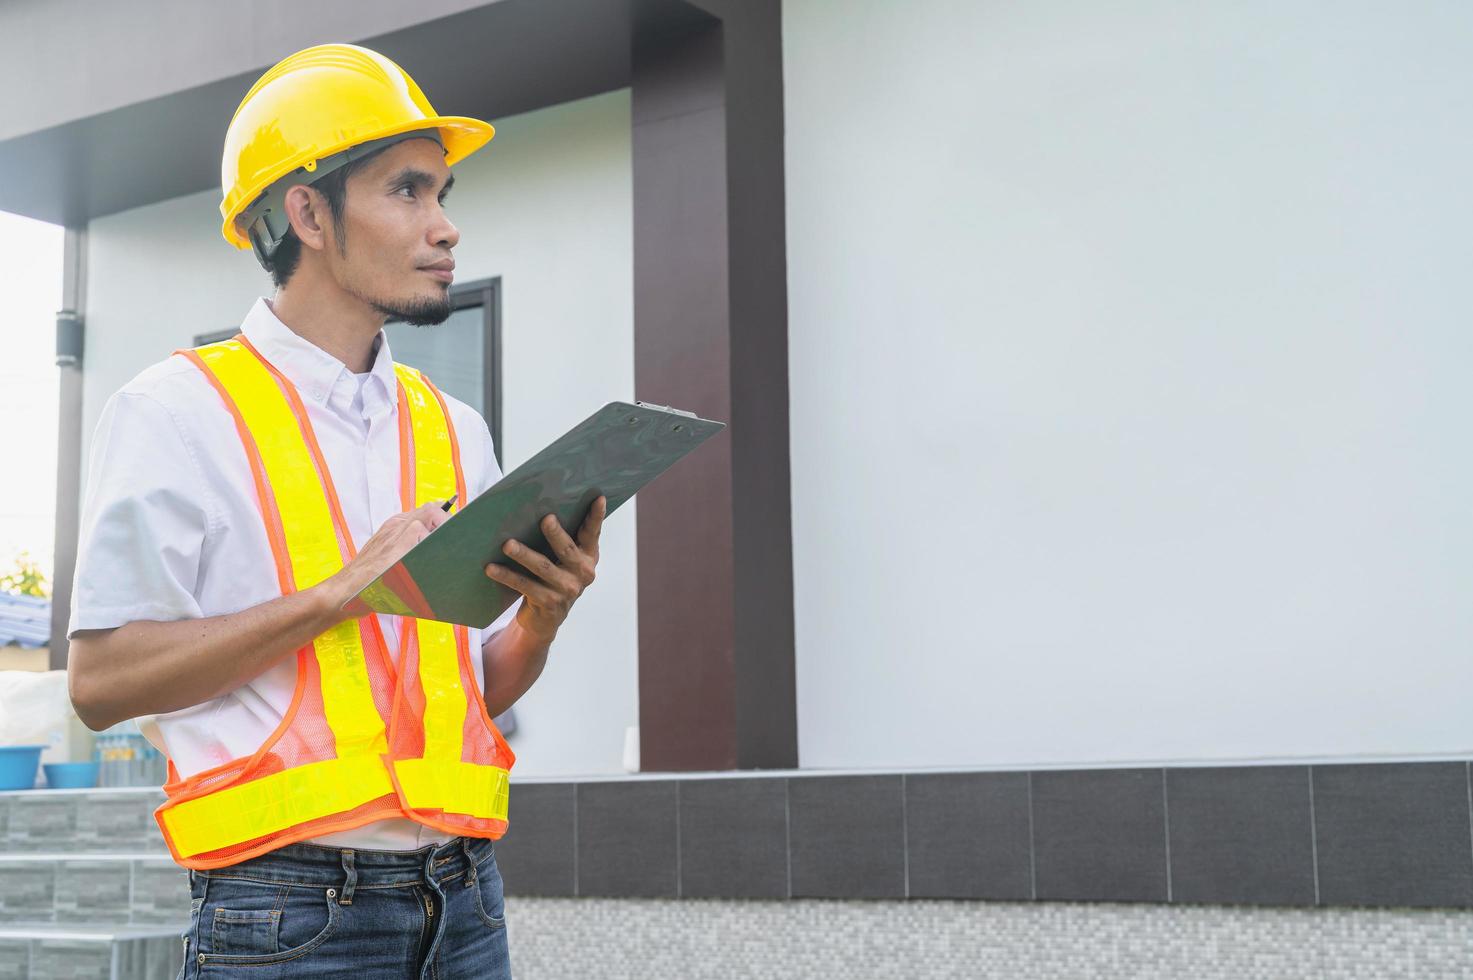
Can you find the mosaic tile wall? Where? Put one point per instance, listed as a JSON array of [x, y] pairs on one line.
[[573, 939], [82, 891], [105, 821], [129, 958]]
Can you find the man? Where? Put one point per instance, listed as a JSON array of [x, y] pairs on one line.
[[335, 779]]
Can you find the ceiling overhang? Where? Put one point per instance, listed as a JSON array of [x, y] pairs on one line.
[[489, 61]]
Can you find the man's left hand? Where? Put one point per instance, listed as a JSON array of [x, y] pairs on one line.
[[550, 595]]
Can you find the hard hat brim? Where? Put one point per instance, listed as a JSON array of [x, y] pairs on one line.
[[461, 135]]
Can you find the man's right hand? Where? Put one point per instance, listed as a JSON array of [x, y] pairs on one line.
[[388, 544], [151, 667]]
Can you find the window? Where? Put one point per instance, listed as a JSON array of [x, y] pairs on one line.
[[200, 339], [462, 356]]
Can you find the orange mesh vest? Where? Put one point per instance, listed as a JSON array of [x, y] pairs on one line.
[[361, 741]]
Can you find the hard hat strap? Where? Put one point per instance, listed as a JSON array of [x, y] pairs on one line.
[[265, 219]]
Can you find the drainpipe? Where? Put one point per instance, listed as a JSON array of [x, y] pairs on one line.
[[69, 338]]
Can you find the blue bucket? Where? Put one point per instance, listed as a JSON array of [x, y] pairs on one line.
[[70, 775], [18, 764]]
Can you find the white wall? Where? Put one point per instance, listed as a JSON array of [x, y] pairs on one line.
[[1130, 352], [547, 207]]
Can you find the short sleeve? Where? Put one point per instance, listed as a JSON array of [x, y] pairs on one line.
[[144, 520]]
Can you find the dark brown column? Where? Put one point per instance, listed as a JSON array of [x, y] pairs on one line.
[[716, 678]]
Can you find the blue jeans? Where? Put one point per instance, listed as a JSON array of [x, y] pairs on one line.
[[304, 910]]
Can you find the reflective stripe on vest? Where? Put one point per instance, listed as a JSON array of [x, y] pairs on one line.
[[310, 542], [440, 779]]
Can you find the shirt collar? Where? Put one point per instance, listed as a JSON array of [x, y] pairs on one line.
[[313, 370]]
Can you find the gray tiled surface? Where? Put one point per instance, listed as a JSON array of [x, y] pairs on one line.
[[1100, 835], [1394, 834], [1241, 835], [145, 959], [847, 836], [93, 891], [27, 891], [160, 892], [1388, 834], [87, 888], [535, 856], [71, 959], [626, 839], [68, 822], [42, 822], [123, 823], [128, 956], [15, 959], [967, 835], [733, 838]]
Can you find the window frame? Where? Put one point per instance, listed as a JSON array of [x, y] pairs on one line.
[[485, 293]]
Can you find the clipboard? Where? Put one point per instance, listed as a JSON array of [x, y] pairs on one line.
[[614, 452]]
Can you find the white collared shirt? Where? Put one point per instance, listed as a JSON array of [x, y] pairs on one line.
[[170, 528]]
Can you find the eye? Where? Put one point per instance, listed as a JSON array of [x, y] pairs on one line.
[[405, 187]]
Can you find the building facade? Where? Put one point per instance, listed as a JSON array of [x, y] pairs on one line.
[[1089, 527]]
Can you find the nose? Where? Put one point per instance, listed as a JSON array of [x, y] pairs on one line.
[[444, 234]]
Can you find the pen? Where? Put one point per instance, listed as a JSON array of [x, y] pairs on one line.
[[446, 508]]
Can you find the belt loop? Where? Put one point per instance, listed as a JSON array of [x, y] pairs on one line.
[[346, 898], [470, 862]]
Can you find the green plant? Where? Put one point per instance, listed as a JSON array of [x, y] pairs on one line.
[[26, 578]]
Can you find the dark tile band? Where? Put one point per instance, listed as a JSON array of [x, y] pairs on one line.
[[1386, 834]]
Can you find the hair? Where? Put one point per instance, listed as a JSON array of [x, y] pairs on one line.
[[334, 188]]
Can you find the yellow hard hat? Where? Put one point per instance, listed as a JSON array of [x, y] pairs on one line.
[[314, 108]]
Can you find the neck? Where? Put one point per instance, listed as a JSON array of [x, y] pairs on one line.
[[339, 323]]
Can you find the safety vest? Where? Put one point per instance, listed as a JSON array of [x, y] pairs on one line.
[[361, 740]]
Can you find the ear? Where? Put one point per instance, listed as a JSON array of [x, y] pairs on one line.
[[307, 211]]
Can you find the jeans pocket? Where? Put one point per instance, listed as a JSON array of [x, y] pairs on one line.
[[307, 917], [245, 930], [490, 899]]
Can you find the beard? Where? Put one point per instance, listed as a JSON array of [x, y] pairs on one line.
[[421, 311]]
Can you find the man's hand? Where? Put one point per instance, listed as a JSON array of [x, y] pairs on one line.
[[557, 585], [387, 545]]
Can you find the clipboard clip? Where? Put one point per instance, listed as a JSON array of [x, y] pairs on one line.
[[666, 408]]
